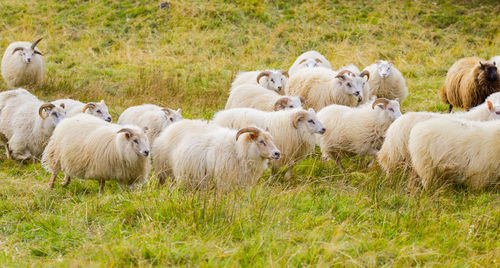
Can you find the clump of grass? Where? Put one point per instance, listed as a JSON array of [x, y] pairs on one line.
[[132, 52]]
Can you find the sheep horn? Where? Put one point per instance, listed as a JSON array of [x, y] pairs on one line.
[[285, 73], [365, 73], [302, 61], [128, 132], [89, 105], [341, 74], [281, 103], [48, 106], [35, 43], [380, 100], [264, 73], [253, 130], [296, 118], [318, 60], [17, 49], [168, 111]]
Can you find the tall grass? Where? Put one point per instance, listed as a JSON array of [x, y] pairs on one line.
[[132, 52]]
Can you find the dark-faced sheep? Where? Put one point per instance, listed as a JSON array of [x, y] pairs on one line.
[[469, 82]]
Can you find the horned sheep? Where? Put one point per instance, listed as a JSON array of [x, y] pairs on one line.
[[87, 147], [456, 150], [309, 59], [356, 131], [151, 117], [469, 82], [257, 97], [74, 107], [23, 64], [321, 87], [26, 123], [197, 154], [293, 130], [271, 79], [386, 81], [394, 152]]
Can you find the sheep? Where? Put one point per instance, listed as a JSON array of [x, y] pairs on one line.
[[271, 79], [26, 123], [23, 64], [87, 147], [254, 96], [366, 87], [198, 154], [356, 131], [394, 152], [456, 150], [321, 87], [309, 59], [293, 131], [74, 107], [151, 117], [469, 82], [386, 81]]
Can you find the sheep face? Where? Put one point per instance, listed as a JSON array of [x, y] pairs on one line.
[[261, 143], [308, 120], [274, 80], [489, 70], [310, 63], [172, 116], [285, 103], [494, 109], [28, 53], [384, 68], [387, 108], [51, 115], [352, 84], [135, 140], [99, 110]]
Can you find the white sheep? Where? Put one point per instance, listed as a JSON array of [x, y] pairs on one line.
[[74, 107], [356, 131], [151, 117], [23, 64], [257, 97], [386, 81], [321, 87], [26, 123], [87, 147], [394, 153], [293, 130], [198, 154], [456, 150], [309, 59], [366, 86], [271, 79]]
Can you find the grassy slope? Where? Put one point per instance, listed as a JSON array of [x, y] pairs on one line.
[[130, 52]]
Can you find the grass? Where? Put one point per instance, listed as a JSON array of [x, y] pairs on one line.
[[132, 52]]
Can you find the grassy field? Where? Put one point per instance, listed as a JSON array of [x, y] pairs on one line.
[[132, 52]]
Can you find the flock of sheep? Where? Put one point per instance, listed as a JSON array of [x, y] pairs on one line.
[[270, 119]]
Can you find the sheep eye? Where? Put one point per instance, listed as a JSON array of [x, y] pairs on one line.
[[263, 143], [272, 80], [497, 112], [136, 142], [99, 111], [171, 119], [349, 84], [390, 109], [311, 121]]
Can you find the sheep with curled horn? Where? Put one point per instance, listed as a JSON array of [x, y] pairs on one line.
[[257, 97], [469, 82], [23, 64], [150, 116], [198, 154], [74, 107], [309, 59], [321, 87], [26, 123], [270, 79]]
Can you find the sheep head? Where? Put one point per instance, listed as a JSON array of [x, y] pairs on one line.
[[352, 84], [98, 109], [135, 139], [172, 116], [310, 63], [488, 71], [389, 107], [309, 119], [276, 80], [49, 110], [284, 103], [384, 68], [27, 53], [265, 146]]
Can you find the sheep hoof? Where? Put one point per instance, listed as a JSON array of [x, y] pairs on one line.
[[450, 108], [67, 180]]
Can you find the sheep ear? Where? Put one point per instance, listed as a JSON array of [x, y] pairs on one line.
[[490, 106], [102, 102], [302, 100], [126, 131], [482, 65], [62, 105], [285, 73], [179, 111]]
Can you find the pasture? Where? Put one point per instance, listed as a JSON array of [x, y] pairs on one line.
[[185, 56]]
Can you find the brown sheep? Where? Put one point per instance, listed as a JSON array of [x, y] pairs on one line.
[[469, 82]]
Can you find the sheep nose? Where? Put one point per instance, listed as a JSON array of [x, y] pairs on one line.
[[322, 131], [356, 93], [145, 153], [29, 59], [108, 119], [276, 155], [279, 88]]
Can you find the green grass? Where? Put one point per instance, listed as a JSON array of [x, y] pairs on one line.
[[131, 52]]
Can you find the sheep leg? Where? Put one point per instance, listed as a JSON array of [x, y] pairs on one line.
[[101, 186], [412, 182], [7, 151], [288, 173], [52, 180], [339, 164], [450, 108], [67, 180], [161, 181]]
